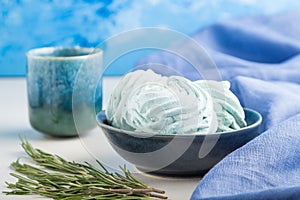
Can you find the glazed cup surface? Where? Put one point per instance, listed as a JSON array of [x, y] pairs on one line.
[[51, 75]]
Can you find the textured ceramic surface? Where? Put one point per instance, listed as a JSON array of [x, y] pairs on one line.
[[51, 76], [178, 154]]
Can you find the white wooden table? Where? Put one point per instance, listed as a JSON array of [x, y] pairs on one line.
[[14, 122]]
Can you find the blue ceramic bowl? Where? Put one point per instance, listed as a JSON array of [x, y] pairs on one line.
[[179, 155]]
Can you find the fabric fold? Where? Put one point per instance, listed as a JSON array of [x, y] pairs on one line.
[[261, 168]]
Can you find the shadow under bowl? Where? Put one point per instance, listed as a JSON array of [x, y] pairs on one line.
[[175, 154]]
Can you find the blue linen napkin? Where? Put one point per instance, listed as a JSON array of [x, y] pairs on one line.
[[275, 100], [267, 167], [260, 56]]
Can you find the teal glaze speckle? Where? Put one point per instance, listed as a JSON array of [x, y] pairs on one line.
[[51, 76]]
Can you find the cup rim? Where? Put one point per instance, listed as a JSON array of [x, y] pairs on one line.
[[44, 52]]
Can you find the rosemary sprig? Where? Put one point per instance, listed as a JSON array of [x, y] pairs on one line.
[[54, 177]]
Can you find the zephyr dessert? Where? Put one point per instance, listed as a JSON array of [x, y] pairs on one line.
[[144, 101]]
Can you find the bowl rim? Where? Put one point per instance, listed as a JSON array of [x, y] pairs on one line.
[[145, 134]]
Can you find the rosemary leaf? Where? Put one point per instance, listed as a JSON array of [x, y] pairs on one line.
[[54, 177]]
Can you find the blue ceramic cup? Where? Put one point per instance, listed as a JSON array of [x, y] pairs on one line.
[[51, 76]]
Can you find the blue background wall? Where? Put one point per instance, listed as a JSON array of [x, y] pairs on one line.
[[26, 24]]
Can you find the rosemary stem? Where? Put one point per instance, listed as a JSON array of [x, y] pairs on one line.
[[56, 178]]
